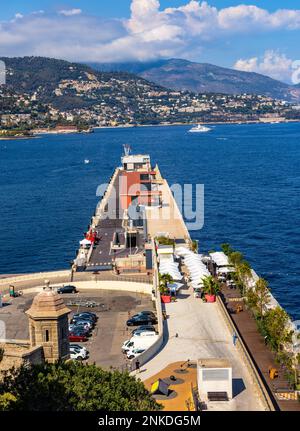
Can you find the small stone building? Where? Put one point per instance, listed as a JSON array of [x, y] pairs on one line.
[[48, 325], [49, 334]]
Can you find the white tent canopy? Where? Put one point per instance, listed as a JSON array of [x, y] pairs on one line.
[[169, 265], [194, 264], [85, 242], [226, 270], [174, 274], [220, 258]]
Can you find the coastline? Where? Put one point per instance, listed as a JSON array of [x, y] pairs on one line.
[[130, 126]]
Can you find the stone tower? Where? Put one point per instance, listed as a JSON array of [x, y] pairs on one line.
[[48, 325]]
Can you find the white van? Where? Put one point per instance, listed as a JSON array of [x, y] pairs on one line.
[[138, 342], [144, 334]]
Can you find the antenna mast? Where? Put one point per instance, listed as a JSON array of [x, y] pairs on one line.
[[127, 149]]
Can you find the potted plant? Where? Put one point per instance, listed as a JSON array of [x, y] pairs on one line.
[[164, 279], [210, 288]]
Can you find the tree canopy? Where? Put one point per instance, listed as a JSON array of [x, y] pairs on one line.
[[275, 326], [71, 386], [210, 285]]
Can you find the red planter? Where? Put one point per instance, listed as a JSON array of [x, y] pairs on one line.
[[165, 299], [210, 298]]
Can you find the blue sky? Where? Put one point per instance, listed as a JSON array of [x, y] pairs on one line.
[[121, 8], [248, 35]]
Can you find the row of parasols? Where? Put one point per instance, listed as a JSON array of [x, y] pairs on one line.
[[194, 263], [197, 269]]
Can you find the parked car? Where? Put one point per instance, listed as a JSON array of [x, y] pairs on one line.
[[150, 313], [126, 346], [79, 325], [77, 354], [84, 323], [143, 328], [67, 289], [79, 347], [133, 353], [86, 319], [77, 337], [138, 343], [81, 331], [86, 315], [141, 319], [144, 334]]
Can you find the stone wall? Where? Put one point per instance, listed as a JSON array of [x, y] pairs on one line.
[[18, 352]]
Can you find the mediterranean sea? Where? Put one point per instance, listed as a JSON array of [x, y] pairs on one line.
[[251, 175]]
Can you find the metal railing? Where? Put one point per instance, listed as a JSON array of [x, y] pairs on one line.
[[114, 277]]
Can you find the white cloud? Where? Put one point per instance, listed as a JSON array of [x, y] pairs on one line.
[[70, 12], [273, 64], [149, 33]]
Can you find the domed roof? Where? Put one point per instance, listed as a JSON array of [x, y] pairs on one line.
[[47, 303]]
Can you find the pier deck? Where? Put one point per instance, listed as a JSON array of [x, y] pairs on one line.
[[166, 219], [260, 352], [102, 255], [201, 333]]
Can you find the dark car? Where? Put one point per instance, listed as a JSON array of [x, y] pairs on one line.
[[147, 328], [141, 319], [79, 325], [147, 313], [67, 289], [83, 319], [86, 315]]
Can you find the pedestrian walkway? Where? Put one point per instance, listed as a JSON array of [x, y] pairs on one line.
[[261, 354], [195, 330]]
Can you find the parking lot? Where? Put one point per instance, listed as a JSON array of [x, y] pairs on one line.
[[112, 308]]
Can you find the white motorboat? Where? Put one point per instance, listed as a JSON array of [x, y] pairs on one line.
[[199, 129]]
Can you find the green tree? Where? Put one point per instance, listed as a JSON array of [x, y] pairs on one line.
[[236, 258], [195, 246], [227, 249], [243, 272], [275, 325], [6, 401], [164, 280], [263, 295], [72, 386], [251, 298], [210, 285]]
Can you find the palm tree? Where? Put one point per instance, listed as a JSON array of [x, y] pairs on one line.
[[195, 246], [210, 285], [235, 258], [227, 249], [263, 294], [164, 280]]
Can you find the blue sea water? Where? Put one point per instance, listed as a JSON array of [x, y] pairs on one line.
[[250, 172]]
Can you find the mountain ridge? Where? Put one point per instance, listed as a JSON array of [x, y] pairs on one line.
[[41, 91], [184, 75]]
